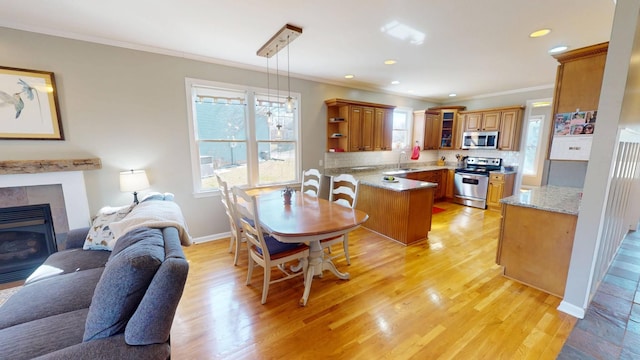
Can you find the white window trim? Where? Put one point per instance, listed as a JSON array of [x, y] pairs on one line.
[[252, 144]]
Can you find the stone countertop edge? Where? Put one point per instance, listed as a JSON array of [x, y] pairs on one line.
[[565, 200], [400, 185]]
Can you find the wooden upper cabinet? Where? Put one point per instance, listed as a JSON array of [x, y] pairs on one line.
[[382, 129], [510, 129], [362, 126], [482, 121], [431, 130]]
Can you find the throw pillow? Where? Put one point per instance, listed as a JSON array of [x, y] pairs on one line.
[[123, 284], [100, 236]]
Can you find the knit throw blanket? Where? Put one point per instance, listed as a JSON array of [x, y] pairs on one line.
[[153, 214]]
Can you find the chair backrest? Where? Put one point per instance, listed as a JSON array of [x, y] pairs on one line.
[[229, 205], [247, 211], [311, 182], [344, 190]]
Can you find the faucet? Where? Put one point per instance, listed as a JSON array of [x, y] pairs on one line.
[[400, 156]]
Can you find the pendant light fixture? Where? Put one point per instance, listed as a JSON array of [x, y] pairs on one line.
[[278, 119], [281, 39], [269, 113]]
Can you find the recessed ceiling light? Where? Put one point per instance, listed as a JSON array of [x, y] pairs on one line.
[[558, 49], [395, 82], [540, 33], [349, 76], [390, 62], [453, 95]]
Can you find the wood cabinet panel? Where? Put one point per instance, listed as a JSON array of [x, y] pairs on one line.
[[431, 130], [510, 130], [473, 122], [500, 186], [432, 176], [363, 126], [490, 121], [541, 258]]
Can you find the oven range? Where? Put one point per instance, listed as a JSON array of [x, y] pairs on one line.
[[471, 182]]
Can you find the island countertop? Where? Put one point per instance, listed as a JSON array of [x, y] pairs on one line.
[[558, 199]]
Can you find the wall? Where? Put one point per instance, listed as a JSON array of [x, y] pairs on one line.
[[129, 109]]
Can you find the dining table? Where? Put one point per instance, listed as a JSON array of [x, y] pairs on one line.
[[308, 219]]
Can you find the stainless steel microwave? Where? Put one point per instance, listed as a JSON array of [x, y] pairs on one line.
[[480, 140]]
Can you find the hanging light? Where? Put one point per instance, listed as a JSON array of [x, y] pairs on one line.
[[285, 35], [289, 106], [278, 124], [269, 113]]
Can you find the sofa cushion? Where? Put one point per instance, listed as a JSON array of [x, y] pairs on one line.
[[122, 285], [56, 295], [100, 236], [134, 236], [69, 261], [110, 348], [151, 322], [42, 336]]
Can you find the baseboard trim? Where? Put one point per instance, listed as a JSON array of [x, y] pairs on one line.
[[213, 237], [571, 309]]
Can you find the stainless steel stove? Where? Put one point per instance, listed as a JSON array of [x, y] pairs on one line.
[[471, 182]]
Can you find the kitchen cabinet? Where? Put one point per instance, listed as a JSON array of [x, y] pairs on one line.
[[578, 84], [432, 176], [382, 129], [358, 126], [500, 186], [431, 130], [506, 120], [450, 192], [442, 129]]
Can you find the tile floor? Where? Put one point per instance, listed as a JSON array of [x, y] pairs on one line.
[[611, 326]]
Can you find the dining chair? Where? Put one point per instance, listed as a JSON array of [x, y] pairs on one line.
[[264, 250], [343, 191], [311, 182], [236, 237]]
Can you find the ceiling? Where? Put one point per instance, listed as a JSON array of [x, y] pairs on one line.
[[471, 48]]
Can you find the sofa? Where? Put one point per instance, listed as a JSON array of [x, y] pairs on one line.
[[116, 303]]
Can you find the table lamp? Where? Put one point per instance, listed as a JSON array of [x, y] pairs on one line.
[[133, 180]]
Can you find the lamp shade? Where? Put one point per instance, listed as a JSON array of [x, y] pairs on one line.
[[133, 180]]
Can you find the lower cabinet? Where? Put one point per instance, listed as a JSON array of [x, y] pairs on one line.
[[433, 176], [500, 186]]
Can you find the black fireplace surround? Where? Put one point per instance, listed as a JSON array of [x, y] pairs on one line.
[[27, 238]]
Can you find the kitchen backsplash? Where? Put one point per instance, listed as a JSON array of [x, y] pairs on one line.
[[428, 157]]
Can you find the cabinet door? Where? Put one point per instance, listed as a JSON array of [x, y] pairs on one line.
[[457, 135], [449, 188], [432, 131], [510, 125], [367, 128], [473, 122], [355, 128], [382, 129], [496, 188], [490, 121]]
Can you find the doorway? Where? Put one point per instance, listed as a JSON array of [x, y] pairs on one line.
[[535, 140]]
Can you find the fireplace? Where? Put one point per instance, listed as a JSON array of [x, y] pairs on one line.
[[27, 238]]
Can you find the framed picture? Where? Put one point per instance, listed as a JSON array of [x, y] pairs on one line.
[[29, 105]]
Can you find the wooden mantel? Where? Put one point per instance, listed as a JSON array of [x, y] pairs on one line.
[[43, 166]]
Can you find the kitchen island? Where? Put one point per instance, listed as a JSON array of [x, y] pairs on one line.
[[400, 210], [536, 236]]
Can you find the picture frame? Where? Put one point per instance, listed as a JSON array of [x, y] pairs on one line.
[[29, 107]]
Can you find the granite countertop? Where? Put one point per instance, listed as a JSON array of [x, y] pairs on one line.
[[399, 184], [558, 199]]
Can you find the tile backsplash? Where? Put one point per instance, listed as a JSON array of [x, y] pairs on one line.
[[427, 157]]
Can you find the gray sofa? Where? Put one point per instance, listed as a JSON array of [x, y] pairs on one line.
[[93, 304]]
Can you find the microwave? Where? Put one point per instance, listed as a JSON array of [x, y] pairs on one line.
[[480, 140]]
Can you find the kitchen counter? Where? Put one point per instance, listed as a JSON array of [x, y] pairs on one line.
[[399, 184], [558, 199]]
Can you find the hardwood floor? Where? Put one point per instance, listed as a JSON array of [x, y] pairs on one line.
[[443, 298]]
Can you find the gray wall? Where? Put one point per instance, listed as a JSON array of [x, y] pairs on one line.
[[128, 108]]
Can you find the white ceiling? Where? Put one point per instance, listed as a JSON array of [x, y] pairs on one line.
[[470, 47]]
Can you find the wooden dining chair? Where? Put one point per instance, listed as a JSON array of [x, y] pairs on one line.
[[343, 191], [264, 250], [311, 182], [236, 237]]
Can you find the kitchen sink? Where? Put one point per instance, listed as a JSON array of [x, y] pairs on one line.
[[399, 171]]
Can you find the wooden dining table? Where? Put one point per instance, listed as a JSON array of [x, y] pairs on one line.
[[308, 219]]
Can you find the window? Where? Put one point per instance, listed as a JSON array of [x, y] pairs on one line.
[[532, 145], [401, 126], [243, 134]]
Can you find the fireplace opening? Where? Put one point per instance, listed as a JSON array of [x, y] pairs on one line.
[[27, 238]]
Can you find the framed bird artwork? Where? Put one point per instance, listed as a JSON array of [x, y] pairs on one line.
[[29, 105]]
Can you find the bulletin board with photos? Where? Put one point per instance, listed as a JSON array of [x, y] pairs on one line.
[[575, 123]]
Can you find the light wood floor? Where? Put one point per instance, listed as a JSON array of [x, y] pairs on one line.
[[443, 298]]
